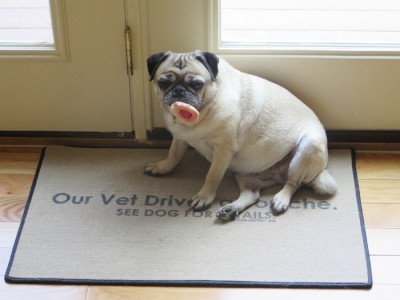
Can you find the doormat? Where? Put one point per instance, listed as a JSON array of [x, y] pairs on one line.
[[93, 217]]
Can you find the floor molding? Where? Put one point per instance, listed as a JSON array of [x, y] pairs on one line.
[[161, 138], [363, 136]]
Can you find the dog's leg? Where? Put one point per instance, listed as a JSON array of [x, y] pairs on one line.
[[175, 155], [248, 196], [220, 162], [309, 160]]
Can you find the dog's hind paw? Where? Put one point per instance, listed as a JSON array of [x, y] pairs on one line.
[[227, 213]]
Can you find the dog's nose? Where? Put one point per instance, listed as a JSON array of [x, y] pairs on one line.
[[178, 91]]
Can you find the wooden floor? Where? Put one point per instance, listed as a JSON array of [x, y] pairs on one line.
[[379, 178]]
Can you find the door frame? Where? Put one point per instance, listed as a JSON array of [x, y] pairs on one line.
[[136, 14]]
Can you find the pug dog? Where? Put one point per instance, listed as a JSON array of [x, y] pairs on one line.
[[248, 125]]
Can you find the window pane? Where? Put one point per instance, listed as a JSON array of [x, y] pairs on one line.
[[311, 24], [25, 23]]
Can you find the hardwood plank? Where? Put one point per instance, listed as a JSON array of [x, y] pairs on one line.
[[380, 191], [41, 292], [383, 241], [5, 254], [19, 160], [15, 185], [12, 209], [381, 215], [387, 292], [8, 232], [14, 192], [21, 149], [378, 165], [386, 269]]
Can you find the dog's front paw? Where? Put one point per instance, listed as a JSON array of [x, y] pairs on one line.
[[201, 202], [228, 212], [158, 168], [279, 204]]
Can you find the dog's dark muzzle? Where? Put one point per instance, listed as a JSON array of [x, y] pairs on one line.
[[182, 94], [179, 91]]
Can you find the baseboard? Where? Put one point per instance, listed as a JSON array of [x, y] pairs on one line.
[[67, 134], [160, 138], [372, 140], [363, 136], [82, 139], [334, 136], [388, 140]]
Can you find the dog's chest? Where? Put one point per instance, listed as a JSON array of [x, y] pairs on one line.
[[204, 147]]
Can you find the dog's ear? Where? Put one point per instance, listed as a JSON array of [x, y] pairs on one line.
[[154, 61], [210, 62]]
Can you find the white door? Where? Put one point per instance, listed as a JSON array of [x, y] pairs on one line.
[[85, 87], [347, 92]]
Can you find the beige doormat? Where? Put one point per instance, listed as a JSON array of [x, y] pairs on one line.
[[93, 217]]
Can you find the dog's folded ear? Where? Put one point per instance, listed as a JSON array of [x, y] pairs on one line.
[[154, 61], [210, 62]]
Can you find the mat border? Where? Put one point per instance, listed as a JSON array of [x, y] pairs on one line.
[[193, 283]]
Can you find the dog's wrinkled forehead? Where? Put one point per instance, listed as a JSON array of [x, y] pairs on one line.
[[197, 62], [181, 61], [182, 64]]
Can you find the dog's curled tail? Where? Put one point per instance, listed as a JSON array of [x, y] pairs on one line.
[[324, 184]]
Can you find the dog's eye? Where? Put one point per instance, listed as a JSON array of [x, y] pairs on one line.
[[196, 84], [163, 83]]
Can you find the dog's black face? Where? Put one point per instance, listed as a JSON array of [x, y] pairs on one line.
[[187, 89], [184, 77]]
